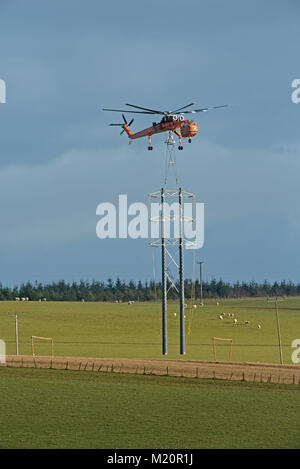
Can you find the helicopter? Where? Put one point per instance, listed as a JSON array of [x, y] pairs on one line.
[[172, 121]]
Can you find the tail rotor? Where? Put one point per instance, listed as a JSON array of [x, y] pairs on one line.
[[125, 126]]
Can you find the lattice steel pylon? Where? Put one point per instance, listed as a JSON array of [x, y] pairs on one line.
[[169, 217]]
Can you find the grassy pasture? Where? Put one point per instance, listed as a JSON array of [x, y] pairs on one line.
[[68, 409], [134, 331]]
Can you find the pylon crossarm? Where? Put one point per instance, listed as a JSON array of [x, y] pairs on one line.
[[171, 193]]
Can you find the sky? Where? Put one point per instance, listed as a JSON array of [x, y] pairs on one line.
[[63, 61]]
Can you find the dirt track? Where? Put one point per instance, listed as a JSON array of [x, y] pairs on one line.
[[261, 372]]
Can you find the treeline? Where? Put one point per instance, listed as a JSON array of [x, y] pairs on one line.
[[147, 291]]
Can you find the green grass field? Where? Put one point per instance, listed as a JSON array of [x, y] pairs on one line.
[[68, 409], [122, 330]]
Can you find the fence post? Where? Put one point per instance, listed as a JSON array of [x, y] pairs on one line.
[[167, 369], [100, 367], [197, 372]]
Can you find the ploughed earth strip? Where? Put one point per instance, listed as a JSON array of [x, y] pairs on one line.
[[258, 372]]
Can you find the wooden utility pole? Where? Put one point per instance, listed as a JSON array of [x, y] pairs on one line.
[[278, 327], [16, 315], [201, 289]]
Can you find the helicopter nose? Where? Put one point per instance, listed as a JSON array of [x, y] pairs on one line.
[[189, 130]]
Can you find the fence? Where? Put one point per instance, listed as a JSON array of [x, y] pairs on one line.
[[220, 370]]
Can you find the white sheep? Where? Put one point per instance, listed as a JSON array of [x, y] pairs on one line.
[[235, 321], [221, 317], [259, 326]]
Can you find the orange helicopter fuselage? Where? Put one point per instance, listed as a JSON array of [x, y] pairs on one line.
[[187, 129]]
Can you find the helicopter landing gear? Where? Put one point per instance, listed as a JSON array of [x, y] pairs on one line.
[[190, 140], [180, 147], [150, 147]]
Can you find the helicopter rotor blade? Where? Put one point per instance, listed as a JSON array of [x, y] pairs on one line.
[[130, 122], [126, 110], [153, 111], [188, 105], [124, 119], [204, 109]]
